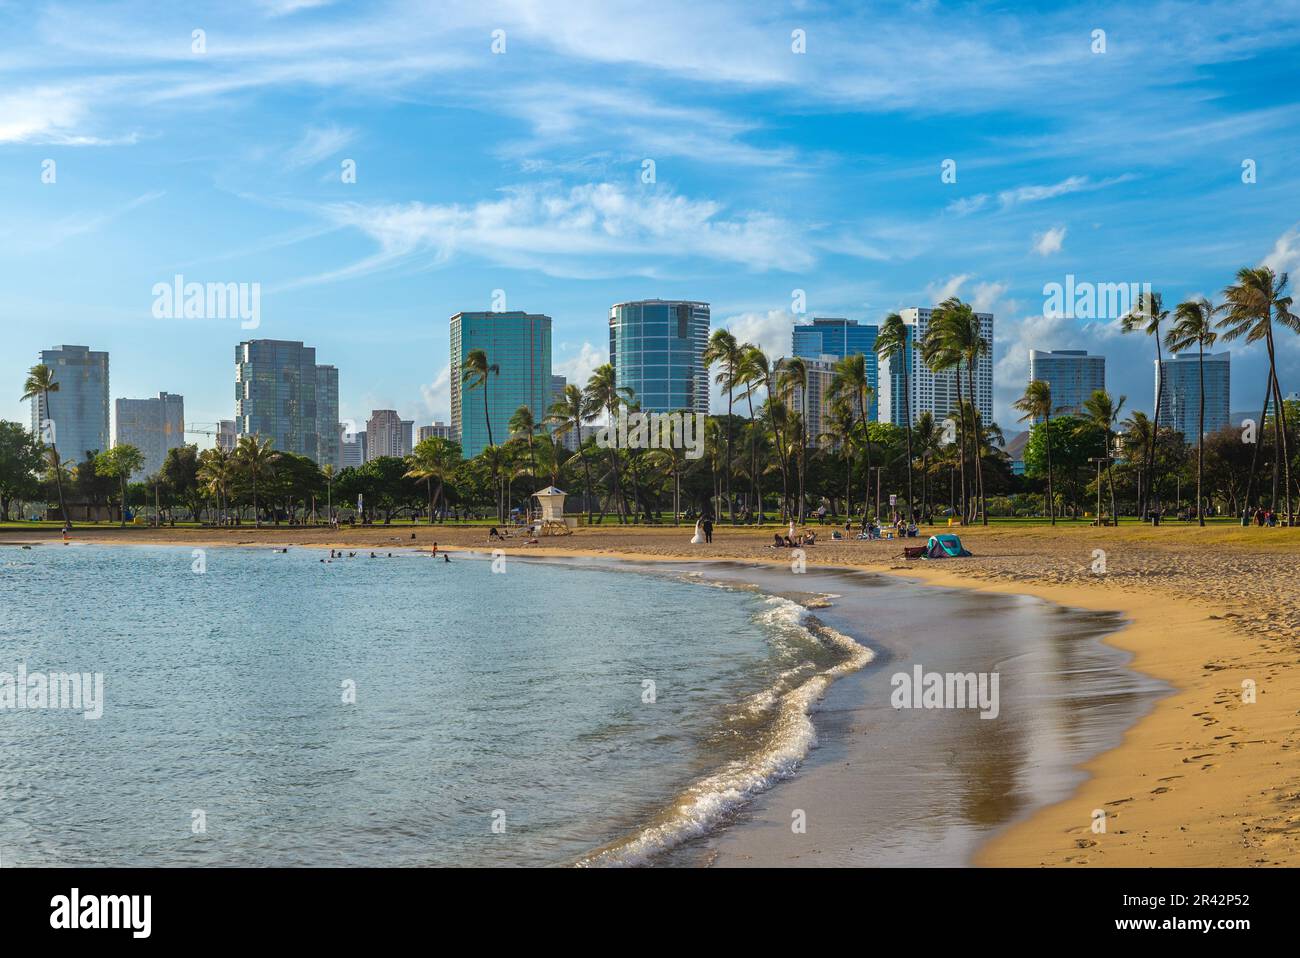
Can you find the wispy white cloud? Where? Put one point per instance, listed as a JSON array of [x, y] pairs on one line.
[[1049, 241], [318, 143]]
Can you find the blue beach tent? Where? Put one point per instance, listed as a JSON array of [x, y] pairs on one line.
[[944, 546]]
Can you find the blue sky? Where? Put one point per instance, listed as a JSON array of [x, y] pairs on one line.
[[522, 171]]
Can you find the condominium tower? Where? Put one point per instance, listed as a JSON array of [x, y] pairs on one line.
[[151, 425], [76, 419], [656, 347], [518, 350], [1072, 374]]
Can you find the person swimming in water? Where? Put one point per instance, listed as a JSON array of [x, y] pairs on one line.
[[445, 557]]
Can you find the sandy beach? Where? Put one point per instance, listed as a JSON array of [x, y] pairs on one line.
[[1207, 778]]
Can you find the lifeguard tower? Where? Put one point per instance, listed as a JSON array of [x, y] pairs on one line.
[[551, 522]]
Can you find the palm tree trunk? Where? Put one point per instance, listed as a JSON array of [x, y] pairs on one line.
[[979, 445], [1280, 430], [1200, 444], [907, 417], [1051, 496], [1151, 492], [961, 448]]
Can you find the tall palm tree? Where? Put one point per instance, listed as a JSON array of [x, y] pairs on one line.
[[793, 381], [1136, 438], [776, 413], [256, 459], [849, 381], [475, 375], [895, 341], [1036, 403], [40, 383], [1254, 303], [1146, 317], [1101, 411], [1194, 324], [567, 415], [941, 351], [841, 421], [755, 372], [724, 351], [604, 394], [672, 459]]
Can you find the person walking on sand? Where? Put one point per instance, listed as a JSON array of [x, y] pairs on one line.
[[708, 528]]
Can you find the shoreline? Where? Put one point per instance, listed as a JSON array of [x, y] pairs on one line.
[[1202, 779]]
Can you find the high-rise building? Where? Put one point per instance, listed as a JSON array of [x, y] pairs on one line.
[[558, 384], [227, 436], [837, 338], [656, 347], [388, 434], [935, 393], [814, 401], [1179, 385], [76, 420], [519, 345], [282, 395], [1072, 374], [327, 416], [353, 448], [151, 425], [439, 430]]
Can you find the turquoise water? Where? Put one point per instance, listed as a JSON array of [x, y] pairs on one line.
[[499, 718]]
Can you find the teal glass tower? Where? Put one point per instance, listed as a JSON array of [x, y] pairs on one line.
[[656, 347], [830, 336], [519, 344]]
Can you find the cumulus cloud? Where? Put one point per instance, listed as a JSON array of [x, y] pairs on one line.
[[436, 395], [1050, 241], [578, 367]]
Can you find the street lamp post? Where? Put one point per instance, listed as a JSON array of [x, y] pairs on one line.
[[1100, 461]]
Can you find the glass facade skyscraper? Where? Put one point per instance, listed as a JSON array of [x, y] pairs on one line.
[[282, 395], [519, 344], [1179, 382], [928, 391], [831, 336], [78, 412], [656, 347], [151, 425], [1072, 374]]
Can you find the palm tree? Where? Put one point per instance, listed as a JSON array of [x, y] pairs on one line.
[[1101, 411], [895, 340], [567, 414], [673, 460], [792, 380], [1037, 404], [476, 372], [1146, 317], [522, 423], [755, 372], [842, 420], [256, 459], [433, 458], [726, 352], [849, 381], [216, 471], [941, 351], [1253, 304], [40, 383], [1194, 323], [1137, 437], [604, 394], [926, 436]]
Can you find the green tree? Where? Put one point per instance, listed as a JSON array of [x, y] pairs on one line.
[[1037, 404], [849, 382], [1146, 317], [20, 459], [1194, 325], [40, 383], [119, 463], [433, 458], [255, 460], [1102, 412], [1253, 304], [724, 351], [895, 341]]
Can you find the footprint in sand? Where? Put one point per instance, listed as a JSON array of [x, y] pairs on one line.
[[1169, 778], [1161, 790]]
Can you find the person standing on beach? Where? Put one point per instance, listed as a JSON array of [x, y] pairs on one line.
[[708, 528]]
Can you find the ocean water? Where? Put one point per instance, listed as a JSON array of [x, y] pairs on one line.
[[553, 714]]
